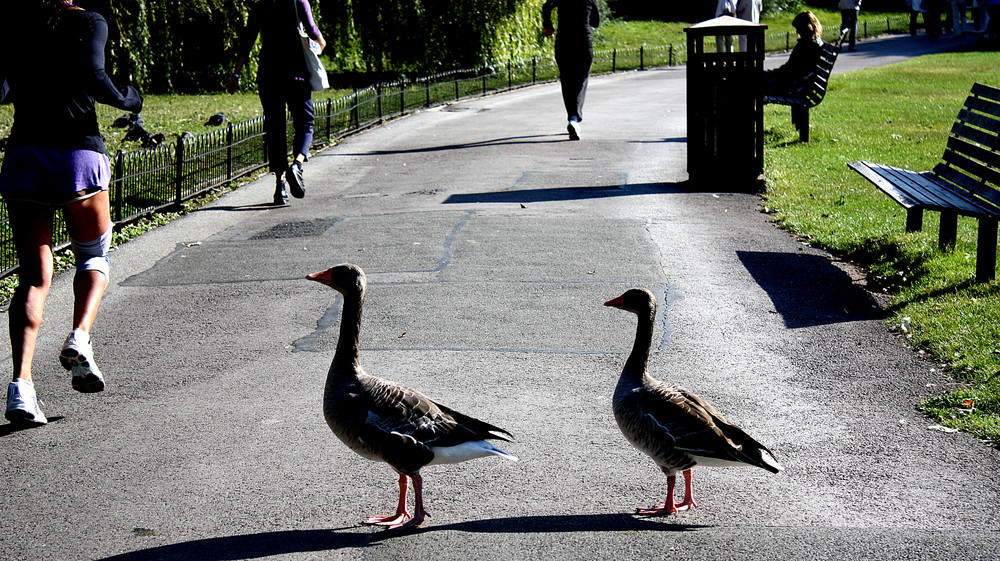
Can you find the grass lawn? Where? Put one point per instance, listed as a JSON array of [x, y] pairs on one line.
[[898, 115]]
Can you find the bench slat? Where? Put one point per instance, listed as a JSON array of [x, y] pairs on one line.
[[913, 189], [979, 120], [988, 92], [979, 162]]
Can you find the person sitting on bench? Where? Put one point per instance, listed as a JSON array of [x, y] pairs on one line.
[[801, 63]]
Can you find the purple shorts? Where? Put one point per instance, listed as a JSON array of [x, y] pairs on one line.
[[53, 177]]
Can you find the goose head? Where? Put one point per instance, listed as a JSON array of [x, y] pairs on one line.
[[345, 278], [639, 301]]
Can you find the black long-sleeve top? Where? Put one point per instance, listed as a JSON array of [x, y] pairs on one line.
[[55, 82], [576, 18], [800, 64], [280, 44]]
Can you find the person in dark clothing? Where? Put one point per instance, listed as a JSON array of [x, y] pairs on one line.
[[801, 62], [574, 52], [282, 79], [52, 62]]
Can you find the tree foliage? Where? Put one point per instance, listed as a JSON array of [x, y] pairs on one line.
[[189, 45]]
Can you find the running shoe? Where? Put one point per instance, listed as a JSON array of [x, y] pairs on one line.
[[296, 183], [573, 128], [78, 356], [23, 404]]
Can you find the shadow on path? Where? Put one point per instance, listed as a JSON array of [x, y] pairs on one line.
[[268, 544], [809, 290]]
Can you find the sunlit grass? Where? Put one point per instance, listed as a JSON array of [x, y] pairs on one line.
[[898, 115]]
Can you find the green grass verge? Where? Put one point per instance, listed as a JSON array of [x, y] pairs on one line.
[[898, 115]]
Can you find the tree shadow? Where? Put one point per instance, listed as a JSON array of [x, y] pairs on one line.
[[504, 141], [808, 290], [556, 194]]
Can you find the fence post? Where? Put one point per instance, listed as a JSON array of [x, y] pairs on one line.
[[328, 117], [788, 38], [402, 97], [179, 178], [614, 60], [456, 89], [484, 83], [642, 57], [117, 180], [427, 90], [354, 109], [229, 152], [533, 70], [670, 55], [510, 78]]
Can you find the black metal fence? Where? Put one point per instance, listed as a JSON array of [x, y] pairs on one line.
[[148, 180]]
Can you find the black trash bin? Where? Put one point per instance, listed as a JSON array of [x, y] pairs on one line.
[[725, 108]]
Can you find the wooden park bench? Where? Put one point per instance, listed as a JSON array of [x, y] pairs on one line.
[[966, 182], [810, 91]]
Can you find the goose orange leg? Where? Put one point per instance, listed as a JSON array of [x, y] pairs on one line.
[[418, 507], [401, 512], [668, 506]]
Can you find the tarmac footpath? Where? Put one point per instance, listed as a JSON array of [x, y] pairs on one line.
[[491, 243]]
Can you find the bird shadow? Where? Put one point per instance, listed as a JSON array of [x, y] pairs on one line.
[[608, 522], [288, 542]]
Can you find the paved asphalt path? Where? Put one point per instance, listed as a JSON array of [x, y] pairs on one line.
[[491, 243]]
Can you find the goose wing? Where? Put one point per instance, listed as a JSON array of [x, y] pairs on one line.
[[696, 427], [405, 425]]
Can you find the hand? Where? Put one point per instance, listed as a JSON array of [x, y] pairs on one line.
[[548, 32]]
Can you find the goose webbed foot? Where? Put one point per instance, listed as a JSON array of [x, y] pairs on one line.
[[398, 521]]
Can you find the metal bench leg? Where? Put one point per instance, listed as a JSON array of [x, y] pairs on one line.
[[800, 118], [948, 231], [986, 250], [914, 219]]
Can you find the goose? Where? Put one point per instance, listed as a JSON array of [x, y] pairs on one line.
[[386, 422], [671, 425]]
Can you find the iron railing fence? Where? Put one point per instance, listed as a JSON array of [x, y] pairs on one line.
[[149, 180]]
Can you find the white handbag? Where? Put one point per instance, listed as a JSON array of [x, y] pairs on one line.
[[310, 50]]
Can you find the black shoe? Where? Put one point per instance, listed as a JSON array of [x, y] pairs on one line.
[[280, 194], [295, 182]]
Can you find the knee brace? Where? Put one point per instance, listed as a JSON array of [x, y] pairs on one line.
[[93, 255]]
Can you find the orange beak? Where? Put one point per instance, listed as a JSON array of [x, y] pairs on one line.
[[321, 277], [616, 302]]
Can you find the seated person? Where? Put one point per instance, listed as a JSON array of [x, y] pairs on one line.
[[803, 60]]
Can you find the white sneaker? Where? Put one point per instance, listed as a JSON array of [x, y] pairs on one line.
[[77, 355], [573, 128], [22, 404]]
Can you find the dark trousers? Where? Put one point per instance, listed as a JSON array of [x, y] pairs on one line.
[[574, 62], [274, 97], [849, 20]]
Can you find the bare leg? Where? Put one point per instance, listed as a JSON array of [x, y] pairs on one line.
[[401, 512], [32, 229], [87, 220]]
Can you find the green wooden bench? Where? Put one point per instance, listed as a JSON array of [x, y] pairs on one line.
[[966, 182]]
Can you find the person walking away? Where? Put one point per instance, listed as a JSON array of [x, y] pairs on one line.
[[849, 10], [750, 11], [574, 53], [56, 159], [959, 9], [724, 43], [282, 80], [801, 62]]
